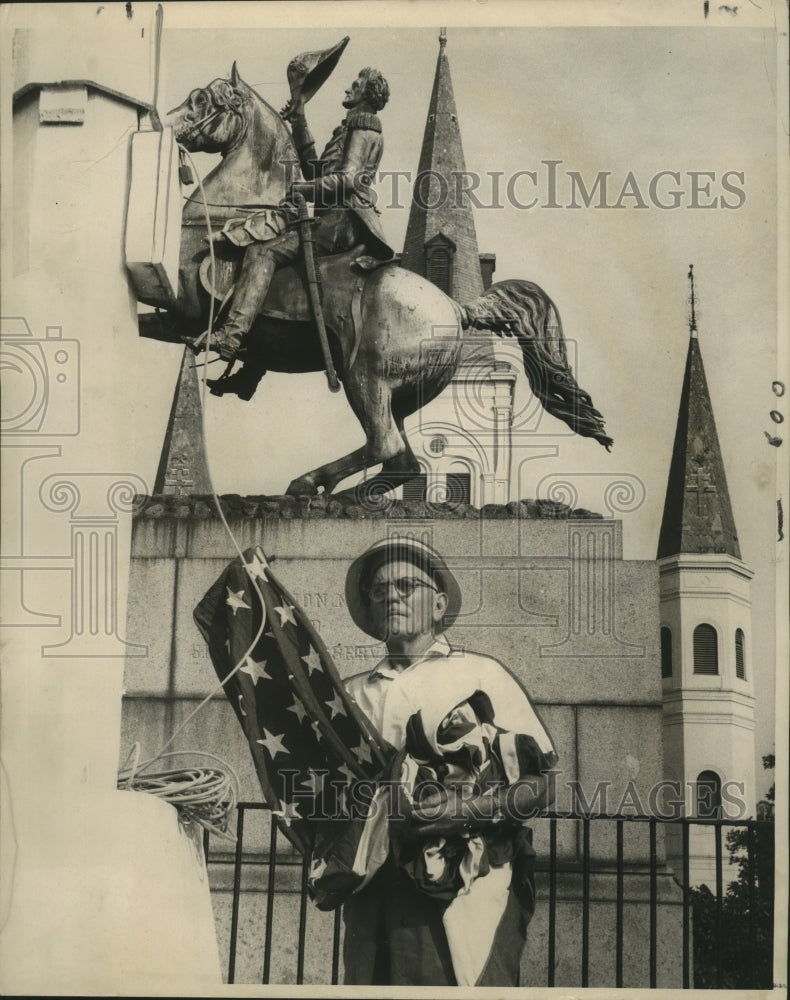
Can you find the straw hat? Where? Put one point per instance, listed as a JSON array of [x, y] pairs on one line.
[[386, 550]]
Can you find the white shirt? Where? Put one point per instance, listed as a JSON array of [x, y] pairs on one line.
[[434, 684]]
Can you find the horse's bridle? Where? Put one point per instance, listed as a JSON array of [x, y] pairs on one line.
[[196, 127]]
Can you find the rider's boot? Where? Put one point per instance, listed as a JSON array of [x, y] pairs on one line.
[[242, 383], [248, 298]]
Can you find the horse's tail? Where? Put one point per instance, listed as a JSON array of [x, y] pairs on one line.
[[523, 310]]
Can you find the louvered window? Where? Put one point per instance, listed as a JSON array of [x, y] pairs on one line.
[[440, 268], [740, 662], [415, 488], [459, 487], [666, 652], [706, 652]]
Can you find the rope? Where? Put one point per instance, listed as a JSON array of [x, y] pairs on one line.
[[205, 796]]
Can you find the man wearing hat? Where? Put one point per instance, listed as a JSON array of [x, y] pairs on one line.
[[339, 183], [400, 931]]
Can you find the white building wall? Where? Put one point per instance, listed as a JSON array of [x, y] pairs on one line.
[[708, 718], [103, 890]]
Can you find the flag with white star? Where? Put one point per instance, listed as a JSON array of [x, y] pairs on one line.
[[309, 740]]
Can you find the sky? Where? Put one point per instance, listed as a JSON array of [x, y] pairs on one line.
[[631, 101]]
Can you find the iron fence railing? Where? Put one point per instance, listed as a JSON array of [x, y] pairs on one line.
[[273, 860]]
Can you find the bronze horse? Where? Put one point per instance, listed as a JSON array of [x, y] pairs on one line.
[[389, 361]]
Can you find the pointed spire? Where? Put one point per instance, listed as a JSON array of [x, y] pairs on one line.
[[693, 324], [697, 511], [438, 215], [183, 469]]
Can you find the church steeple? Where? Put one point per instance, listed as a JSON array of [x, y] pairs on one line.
[[441, 242], [707, 678], [458, 462], [697, 511]]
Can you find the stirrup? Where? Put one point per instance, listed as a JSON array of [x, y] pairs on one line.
[[228, 352], [229, 349]]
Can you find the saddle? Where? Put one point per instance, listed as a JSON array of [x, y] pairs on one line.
[[341, 279]]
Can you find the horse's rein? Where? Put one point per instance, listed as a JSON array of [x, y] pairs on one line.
[[196, 127], [220, 204]]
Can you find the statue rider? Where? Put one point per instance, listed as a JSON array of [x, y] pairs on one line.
[[339, 183]]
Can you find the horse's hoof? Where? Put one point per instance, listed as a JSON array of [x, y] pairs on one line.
[[302, 487]]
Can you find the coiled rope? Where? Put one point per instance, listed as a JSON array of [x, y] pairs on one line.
[[202, 795]]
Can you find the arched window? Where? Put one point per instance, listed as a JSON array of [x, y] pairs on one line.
[[666, 652], [740, 662], [708, 795], [706, 650]]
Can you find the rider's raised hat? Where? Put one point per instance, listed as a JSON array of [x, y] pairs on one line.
[[396, 549], [309, 71]]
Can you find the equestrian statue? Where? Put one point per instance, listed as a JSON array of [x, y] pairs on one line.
[[265, 283]]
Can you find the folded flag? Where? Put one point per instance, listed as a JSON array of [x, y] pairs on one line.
[[309, 740]]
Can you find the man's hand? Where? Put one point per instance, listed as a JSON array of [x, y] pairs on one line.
[[457, 810], [293, 109], [304, 188]]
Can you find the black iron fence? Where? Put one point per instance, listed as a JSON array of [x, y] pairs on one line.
[[744, 877]]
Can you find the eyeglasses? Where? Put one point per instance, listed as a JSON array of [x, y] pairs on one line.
[[404, 587]]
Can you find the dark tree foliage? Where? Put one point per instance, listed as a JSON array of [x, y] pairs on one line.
[[745, 938]]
